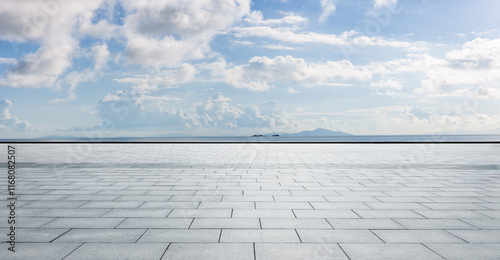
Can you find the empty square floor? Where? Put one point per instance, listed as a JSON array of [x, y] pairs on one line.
[[254, 201]]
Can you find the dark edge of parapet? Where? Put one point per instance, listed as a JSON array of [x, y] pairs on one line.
[[243, 142]]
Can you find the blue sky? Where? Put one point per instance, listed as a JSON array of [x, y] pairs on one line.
[[104, 68]]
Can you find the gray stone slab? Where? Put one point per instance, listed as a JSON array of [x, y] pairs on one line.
[[337, 236], [181, 235], [210, 251], [325, 213], [388, 252], [155, 223], [388, 213], [434, 224], [364, 224], [101, 235], [293, 223], [283, 205], [417, 236], [112, 204], [61, 213], [478, 236], [46, 251], [137, 213], [467, 251], [118, 251], [84, 223], [262, 213], [298, 251], [34, 235], [200, 213], [252, 236], [244, 223], [483, 223]]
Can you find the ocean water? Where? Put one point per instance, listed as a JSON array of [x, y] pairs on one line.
[[289, 139]]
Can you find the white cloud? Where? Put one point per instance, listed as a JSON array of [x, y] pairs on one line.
[[381, 4], [328, 7], [387, 84], [348, 38], [168, 33], [411, 120], [261, 72], [9, 122], [50, 24], [133, 111], [288, 19], [72, 79]]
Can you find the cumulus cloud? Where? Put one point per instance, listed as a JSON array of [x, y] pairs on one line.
[[132, 111], [50, 24], [71, 80], [383, 4], [168, 33], [288, 19], [9, 122], [261, 72], [328, 7], [412, 120]]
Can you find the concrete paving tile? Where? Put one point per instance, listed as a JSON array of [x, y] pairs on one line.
[[237, 223], [137, 213], [299, 198], [101, 235], [336, 236], [118, 251], [55, 204], [112, 204], [325, 213], [416, 236], [91, 197], [252, 236], [84, 223], [388, 252], [181, 235], [454, 206], [29, 222], [35, 235], [283, 205], [398, 205], [262, 213], [466, 251], [478, 236], [155, 223], [389, 213], [170, 205], [227, 205], [296, 251], [452, 214], [200, 213], [46, 251], [61, 213], [210, 251], [184, 198], [293, 223], [339, 205], [366, 224], [434, 224], [483, 223], [249, 198]]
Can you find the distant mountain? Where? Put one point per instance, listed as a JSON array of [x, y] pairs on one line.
[[320, 132]]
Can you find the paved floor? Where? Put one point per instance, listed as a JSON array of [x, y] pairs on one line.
[[255, 201]]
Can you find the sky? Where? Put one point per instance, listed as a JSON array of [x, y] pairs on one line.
[[141, 68]]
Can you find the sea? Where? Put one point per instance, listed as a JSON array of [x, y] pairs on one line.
[[278, 139]]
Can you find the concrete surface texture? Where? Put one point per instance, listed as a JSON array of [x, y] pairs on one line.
[[255, 201]]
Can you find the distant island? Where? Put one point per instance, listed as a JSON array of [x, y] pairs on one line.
[[315, 132]]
